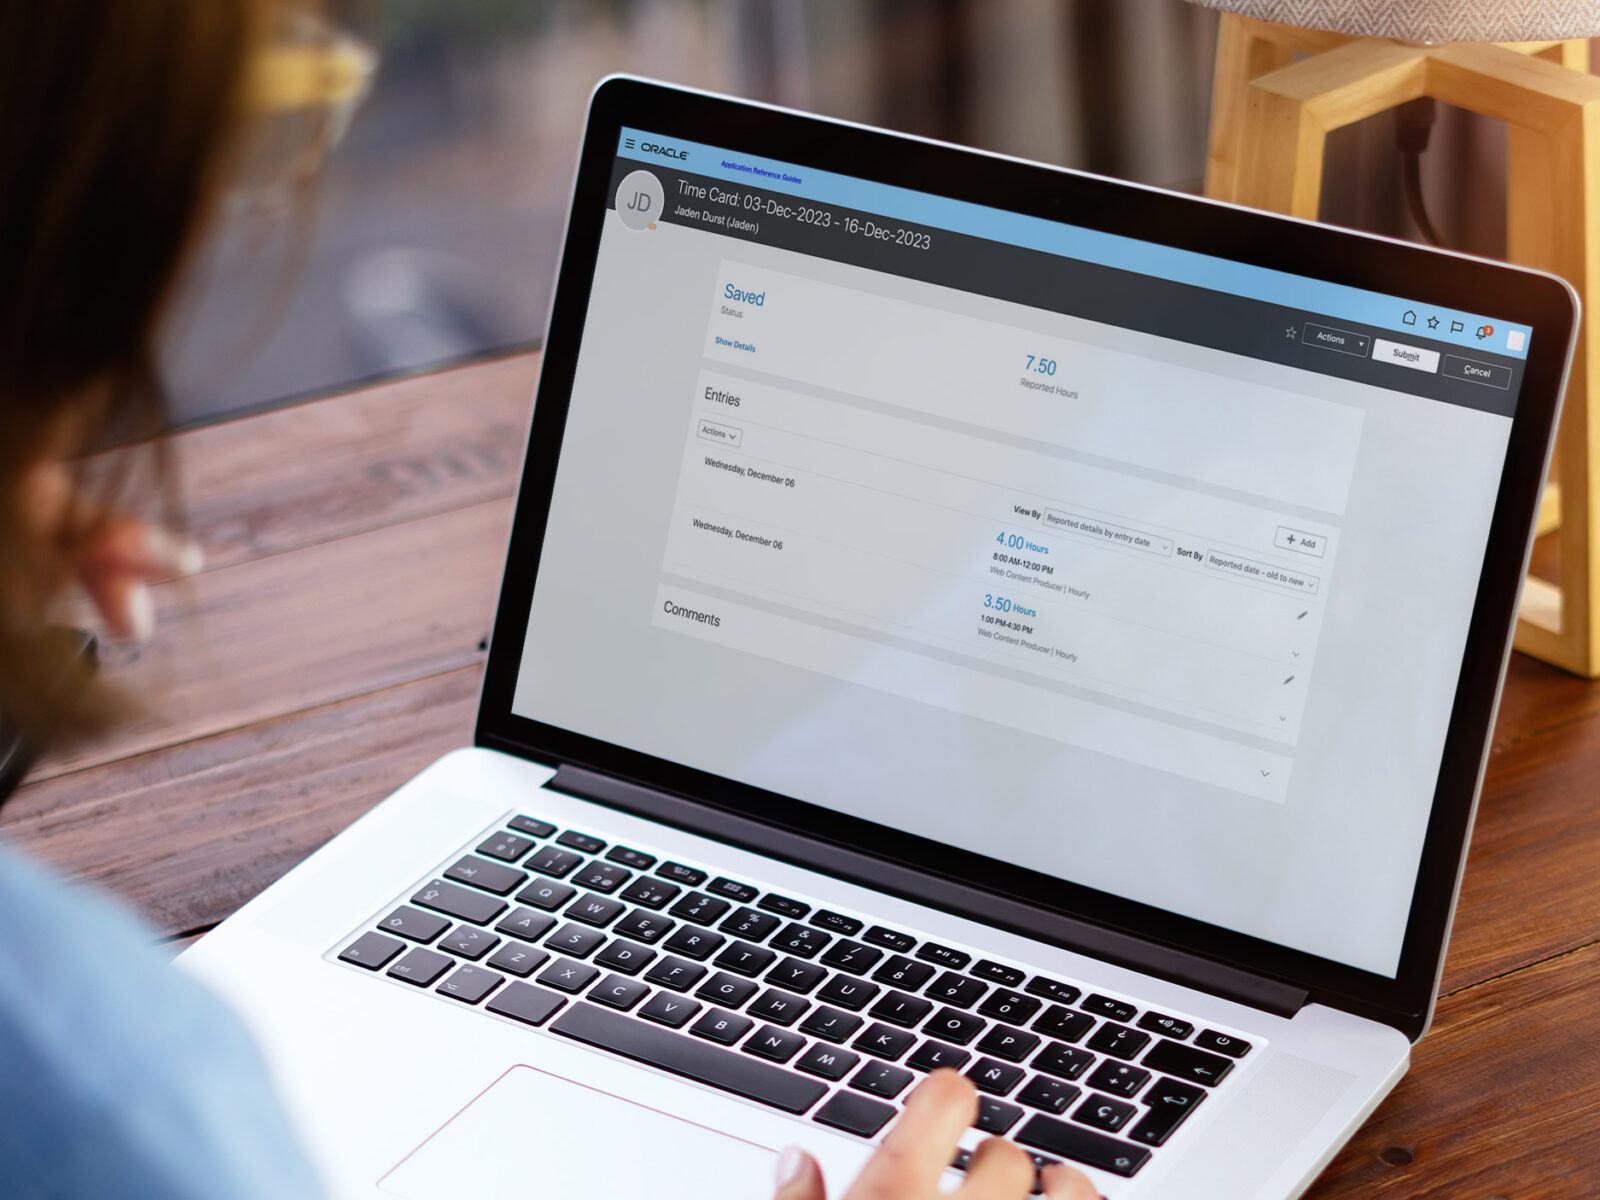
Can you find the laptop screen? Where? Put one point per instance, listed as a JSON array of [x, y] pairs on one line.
[[1138, 568]]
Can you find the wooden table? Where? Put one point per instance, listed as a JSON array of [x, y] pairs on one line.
[[333, 646]]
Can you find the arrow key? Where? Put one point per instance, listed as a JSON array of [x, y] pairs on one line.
[[1170, 1104]]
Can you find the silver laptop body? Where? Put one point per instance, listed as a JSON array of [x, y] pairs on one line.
[[959, 613]]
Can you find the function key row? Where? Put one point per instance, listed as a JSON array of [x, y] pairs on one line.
[[581, 841], [836, 923], [889, 939], [998, 973], [1105, 1006], [728, 889], [1167, 1026], [678, 873], [1051, 989], [784, 906], [636, 859], [532, 827], [932, 952]]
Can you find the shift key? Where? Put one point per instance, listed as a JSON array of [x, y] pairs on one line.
[[1082, 1145]]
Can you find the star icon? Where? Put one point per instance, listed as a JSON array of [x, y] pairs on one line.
[[1289, 332], [1433, 322]]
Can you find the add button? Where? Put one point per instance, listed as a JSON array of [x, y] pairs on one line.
[[1300, 541], [1487, 374]]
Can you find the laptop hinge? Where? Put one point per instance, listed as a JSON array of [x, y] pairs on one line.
[[937, 891]]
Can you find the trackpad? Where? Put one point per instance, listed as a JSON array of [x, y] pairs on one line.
[[533, 1133]]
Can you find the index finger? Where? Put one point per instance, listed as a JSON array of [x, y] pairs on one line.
[[920, 1145]]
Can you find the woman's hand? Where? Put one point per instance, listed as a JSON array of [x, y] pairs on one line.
[[919, 1147], [114, 557], [119, 563]]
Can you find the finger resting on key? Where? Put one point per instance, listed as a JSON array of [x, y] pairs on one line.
[[999, 1171], [920, 1145], [1062, 1182]]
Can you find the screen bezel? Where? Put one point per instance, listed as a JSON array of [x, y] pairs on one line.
[[1322, 252]]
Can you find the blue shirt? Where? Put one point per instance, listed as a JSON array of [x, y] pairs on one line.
[[120, 1077]]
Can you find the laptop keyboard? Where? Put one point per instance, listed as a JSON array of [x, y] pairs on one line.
[[822, 1014]]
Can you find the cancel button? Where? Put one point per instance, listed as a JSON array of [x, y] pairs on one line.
[[1487, 374]]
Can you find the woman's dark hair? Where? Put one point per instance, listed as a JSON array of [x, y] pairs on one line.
[[119, 117]]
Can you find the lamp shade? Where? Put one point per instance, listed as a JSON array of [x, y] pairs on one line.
[[1430, 20]]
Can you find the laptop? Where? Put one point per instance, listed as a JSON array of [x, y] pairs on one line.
[[958, 613]]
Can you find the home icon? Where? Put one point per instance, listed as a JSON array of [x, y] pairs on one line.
[[1409, 319]]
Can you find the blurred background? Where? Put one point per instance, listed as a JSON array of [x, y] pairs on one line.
[[432, 233]]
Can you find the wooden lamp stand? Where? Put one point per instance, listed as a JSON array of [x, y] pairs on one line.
[[1270, 118]]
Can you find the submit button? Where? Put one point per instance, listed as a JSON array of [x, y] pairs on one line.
[[1401, 355]]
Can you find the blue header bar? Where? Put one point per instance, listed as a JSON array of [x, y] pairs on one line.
[[1314, 296]]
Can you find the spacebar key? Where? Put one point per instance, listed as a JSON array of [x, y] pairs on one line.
[[1082, 1145], [696, 1060]]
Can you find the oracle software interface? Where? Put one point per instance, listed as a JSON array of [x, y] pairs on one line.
[[1022, 538]]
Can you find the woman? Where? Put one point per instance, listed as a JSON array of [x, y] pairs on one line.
[[118, 1076]]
